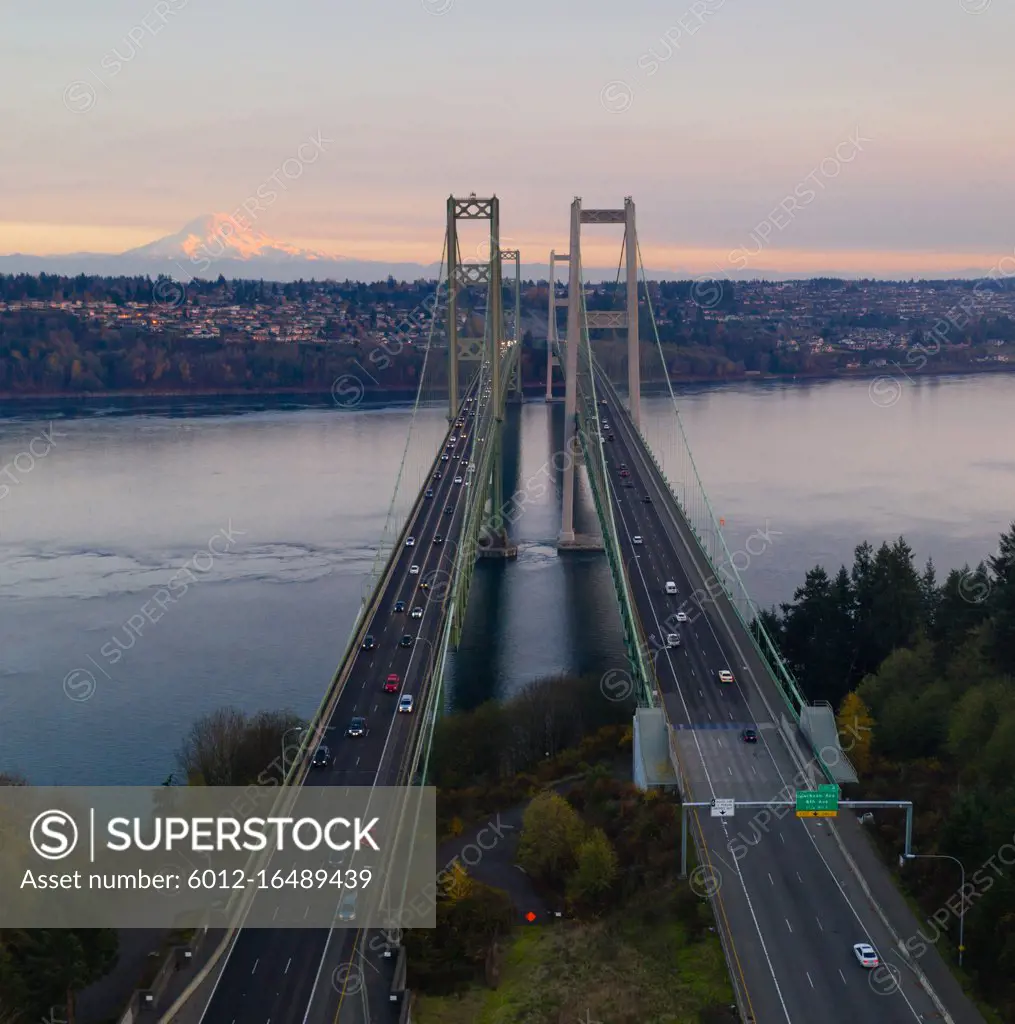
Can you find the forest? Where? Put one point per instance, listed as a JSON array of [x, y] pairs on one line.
[[924, 673]]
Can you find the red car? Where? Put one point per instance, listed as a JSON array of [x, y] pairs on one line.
[[392, 684]]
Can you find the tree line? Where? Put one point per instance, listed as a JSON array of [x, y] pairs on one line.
[[924, 673]]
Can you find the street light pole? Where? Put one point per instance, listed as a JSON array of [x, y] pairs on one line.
[[295, 728], [962, 891]]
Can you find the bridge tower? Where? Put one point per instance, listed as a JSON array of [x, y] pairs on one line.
[[609, 318], [552, 337], [515, 393], [490, 347]]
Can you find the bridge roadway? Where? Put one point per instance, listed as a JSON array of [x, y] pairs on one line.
[[788, 905], [286, 976]]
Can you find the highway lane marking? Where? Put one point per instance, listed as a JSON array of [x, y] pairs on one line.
[[288, 963], [789, 926], [808, 973], [843, 976], [770, 878], [273, 916], [820, 925], [801, 879], [256, 962], [739, 873]]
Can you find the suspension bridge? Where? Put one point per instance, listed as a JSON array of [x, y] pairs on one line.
[[702, 671]]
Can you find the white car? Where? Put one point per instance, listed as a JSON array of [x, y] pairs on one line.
[[866, 954], [672, 639], [405, 704], [725, 675], [636, 539], [671, 587], [681, 616], [410, 542], [413, 570], [417, 612], [458, 479]]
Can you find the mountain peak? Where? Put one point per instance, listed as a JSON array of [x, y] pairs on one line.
[[219, 236]]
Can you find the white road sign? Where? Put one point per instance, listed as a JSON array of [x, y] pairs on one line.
[[723, 808]]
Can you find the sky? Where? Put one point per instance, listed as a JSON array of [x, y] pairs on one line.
[[864, 137]]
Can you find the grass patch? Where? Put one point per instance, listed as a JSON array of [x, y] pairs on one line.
[[615, 970]]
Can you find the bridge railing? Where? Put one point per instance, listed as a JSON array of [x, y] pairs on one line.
[[600, 486]]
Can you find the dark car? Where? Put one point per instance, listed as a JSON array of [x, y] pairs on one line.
[[629, 483], [449, 509], [647, 499], [429, 493], [437, 475], [322, 758], [438, 539], [406, 641], [749, 736], [357, 727], [369, 643], [609, 437], [399, 606]]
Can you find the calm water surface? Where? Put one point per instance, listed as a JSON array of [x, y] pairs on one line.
[[270, 519]]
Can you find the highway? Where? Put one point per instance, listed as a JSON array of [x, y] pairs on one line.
[[788, 907], [287, 976]]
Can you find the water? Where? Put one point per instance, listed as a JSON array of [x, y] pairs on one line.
[[246, 531]]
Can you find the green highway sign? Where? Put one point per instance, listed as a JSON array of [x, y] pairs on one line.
[[822, 802]]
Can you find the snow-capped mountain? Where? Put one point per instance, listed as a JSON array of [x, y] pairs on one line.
[[218, 236]]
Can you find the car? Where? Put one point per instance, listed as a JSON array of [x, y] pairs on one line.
[[357, 728], [623, 465], [410, 542], [413, 570], [671, 587], [625, 473], [336, 858], [749, 736], [636, 539], [866, 954], [405, 704], [429, 493], [465, 462], [629, 483], [437, 475], [647, 498], [406, 641], [369, 643], [609, 437], [672, 639], [445, 457], [438, 539], [322, 758], [602, 401], [682, 617], [417, 612], [392, 683], [725, 675], [458, 479], [347, 906], [399, 607], [454, 439], [425, 586], [449, 510]]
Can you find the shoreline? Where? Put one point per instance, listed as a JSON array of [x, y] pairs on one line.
[[404, 395]]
